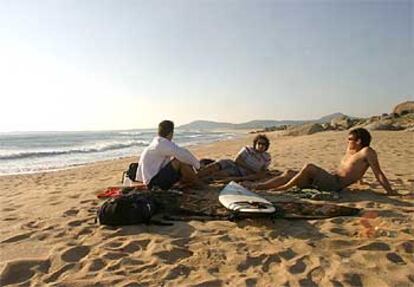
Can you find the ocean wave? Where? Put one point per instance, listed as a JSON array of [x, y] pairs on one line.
[[131, 133], [80, 150]]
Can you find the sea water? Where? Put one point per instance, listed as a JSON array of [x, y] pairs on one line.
[[27, 152]]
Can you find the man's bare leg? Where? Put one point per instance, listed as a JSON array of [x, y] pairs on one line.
[[210, 169], [188, 176], [277, 181], [303, 178]]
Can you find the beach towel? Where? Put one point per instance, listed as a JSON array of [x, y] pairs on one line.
[[307, 210]]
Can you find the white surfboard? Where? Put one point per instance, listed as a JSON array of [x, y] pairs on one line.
[[238, 198]]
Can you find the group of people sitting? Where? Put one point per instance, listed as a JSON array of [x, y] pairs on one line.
[[163, 164]]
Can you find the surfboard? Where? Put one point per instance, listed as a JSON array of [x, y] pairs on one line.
[[239, 199]]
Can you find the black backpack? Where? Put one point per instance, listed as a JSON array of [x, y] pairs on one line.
[[127, 209]]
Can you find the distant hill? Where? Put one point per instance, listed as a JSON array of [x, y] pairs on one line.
[[328, 118], [256, 124], [208, 125]]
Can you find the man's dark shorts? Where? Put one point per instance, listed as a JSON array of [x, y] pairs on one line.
[[165, 178], [231, 168], [324, 181]]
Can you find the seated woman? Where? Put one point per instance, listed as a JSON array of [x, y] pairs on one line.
[[250, 163]]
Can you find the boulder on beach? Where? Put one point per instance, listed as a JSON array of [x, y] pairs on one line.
[[341, 123], [404, 108], [306, 129], [383, 125]]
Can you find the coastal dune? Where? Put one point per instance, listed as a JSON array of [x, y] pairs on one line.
[[49, 236]]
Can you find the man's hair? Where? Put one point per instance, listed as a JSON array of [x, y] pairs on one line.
[[165, 128], [261, 138], [363, 135]]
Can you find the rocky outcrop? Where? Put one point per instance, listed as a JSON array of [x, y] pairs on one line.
[[306, 129], [404, 108], [341, 123], [383, 125]]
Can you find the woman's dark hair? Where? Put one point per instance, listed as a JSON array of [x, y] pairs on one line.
[[165, 128], [363, 135], [261, 138]]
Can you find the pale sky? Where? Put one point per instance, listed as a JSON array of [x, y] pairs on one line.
[[92, 65]]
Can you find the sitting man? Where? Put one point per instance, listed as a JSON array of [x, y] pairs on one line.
[[358, 157], [163, 163], [250, 162]]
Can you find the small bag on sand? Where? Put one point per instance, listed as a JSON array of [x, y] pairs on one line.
[[128, 176]]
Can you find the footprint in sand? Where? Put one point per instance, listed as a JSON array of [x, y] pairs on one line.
[[250, 281], [76, 223], [213, 270], [115, 255], [376, 246], [338, 220], [179, 271], [211, 283], [33, 225], [87, 201], [336, 283], [58, 191], [133, 284], [408, 246], [7, 209], [139, 270], [18, 237], [60, 234], [55, 275], [40, 236], [132, 247], [22, 270], [71, 212], [251, 262], [182, 242], [75, 254], [340, 231], [55, 203], [10, 218], [288, 254], [174, 255], [85, 230], [298, 267], [225, 238], [353, 279], [96, 265], [114, 244], [307, 283], [395, 258], [270, 259], [127, 261]]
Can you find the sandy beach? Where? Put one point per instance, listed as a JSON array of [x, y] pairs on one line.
[[49, 238]]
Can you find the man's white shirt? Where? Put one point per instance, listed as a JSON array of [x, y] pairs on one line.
[[158, 154]]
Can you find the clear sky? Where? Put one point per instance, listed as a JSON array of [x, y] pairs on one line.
[[84, 65]]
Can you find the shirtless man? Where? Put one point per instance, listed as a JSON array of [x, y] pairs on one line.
[[358, 157]]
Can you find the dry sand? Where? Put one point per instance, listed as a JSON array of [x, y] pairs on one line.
[[48, 235]]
